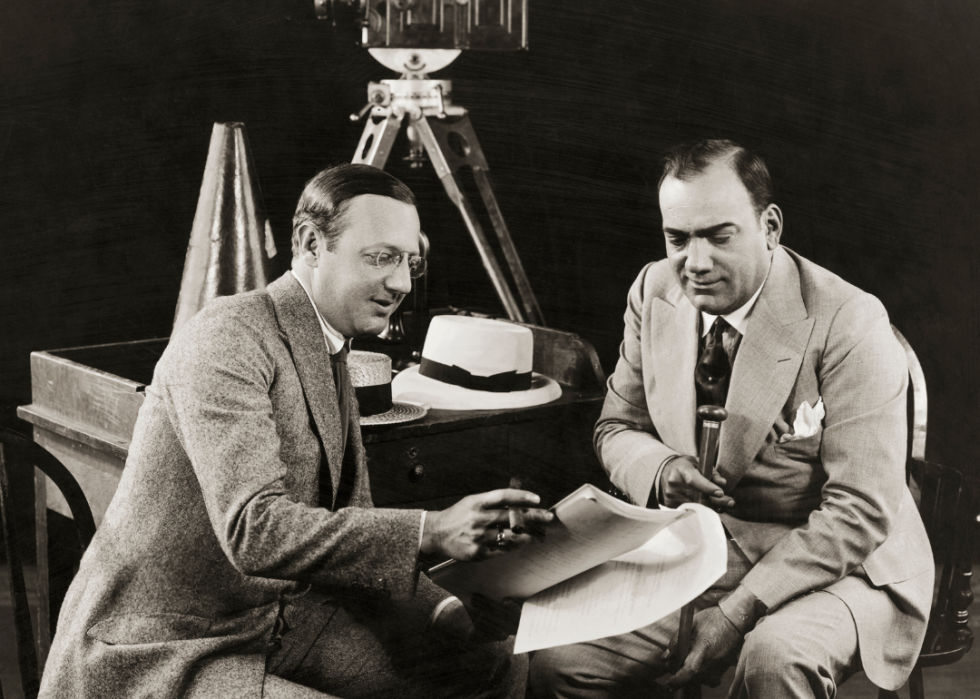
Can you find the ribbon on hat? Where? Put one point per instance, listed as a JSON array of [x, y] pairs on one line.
[[373, 400], [504, 382]]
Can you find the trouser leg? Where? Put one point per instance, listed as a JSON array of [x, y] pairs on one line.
[[371, 649], [806, 648]]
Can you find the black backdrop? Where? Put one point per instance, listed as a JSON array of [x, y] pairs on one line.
[[868, 114]]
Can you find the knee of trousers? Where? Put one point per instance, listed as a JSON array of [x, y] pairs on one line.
[[553, 669], [772, 651], [777, 653]]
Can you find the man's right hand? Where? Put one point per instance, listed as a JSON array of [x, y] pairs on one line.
[[468, 531], [681, 481]]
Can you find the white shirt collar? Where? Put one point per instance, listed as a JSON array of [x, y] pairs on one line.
[[335, 341], [739, 318]]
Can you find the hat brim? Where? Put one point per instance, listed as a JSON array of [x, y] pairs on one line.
[[401, 411], [412, 386]]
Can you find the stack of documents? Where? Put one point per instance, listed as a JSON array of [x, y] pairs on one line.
[[604, 567]]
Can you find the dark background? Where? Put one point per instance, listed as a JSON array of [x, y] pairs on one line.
[[868, 114]]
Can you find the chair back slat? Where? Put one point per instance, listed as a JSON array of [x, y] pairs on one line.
[[17, 451], [23, 635], [920, 399]]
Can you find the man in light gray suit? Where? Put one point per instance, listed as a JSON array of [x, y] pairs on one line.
[[829, 568], [241, 555]]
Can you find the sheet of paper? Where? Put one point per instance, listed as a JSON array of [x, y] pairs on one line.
[[631, 591], [591, 528]]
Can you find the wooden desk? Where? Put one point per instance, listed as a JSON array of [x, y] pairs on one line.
[[85, 402]]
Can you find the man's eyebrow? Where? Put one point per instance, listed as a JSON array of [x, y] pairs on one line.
[[710, 230]]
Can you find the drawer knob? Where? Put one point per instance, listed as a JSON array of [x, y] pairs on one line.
[[416, 473]]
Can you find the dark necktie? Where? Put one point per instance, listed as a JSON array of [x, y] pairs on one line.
[[714, 368], [342, 381], [348, 467]]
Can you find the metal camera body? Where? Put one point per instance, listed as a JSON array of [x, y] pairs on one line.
[[432, 24]]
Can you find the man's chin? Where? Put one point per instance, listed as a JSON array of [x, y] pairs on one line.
[[374, 325], [710, 303]]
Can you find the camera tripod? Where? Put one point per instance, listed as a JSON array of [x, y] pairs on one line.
[[443, 131]]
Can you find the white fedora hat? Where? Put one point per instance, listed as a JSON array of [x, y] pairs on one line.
[[370, 373], [475, 364]]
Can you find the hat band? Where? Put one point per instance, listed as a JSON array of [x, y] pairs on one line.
[[504, 382], [373, 400]]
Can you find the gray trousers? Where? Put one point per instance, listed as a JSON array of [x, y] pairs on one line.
[[806, 648], [380, 648]]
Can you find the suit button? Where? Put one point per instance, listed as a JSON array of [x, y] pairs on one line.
[[416, 473]]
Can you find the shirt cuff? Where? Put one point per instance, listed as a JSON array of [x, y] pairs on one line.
[[421, 532], [439, 609], [742, 608], [655, 500]]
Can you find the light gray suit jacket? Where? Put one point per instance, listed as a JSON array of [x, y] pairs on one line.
[[831, 511], [216, 519]]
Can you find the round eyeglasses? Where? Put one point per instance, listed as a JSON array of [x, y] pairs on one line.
[[388, 262]]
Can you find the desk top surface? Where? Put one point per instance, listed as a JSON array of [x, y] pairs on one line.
[[70, 388]]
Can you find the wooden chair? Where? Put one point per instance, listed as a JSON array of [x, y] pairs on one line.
[[17, 451], [949, 505]]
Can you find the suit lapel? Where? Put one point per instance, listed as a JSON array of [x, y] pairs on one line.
[[674, 344], [298, 321], [766, 367]]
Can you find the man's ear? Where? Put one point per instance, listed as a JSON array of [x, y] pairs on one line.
[[309, 245], [772, 220]]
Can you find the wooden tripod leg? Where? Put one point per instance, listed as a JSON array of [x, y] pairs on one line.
[[447, 176], [460, 146], [530, 301], [376, 140]]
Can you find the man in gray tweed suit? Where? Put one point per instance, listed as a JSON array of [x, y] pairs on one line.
[[241, 555]]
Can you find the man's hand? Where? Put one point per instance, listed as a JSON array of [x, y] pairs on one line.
[[681, 481], [476, 527], [713, 639], [483, 621]]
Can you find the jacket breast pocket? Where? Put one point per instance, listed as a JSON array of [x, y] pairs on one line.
[[135, 629], [807, 448]]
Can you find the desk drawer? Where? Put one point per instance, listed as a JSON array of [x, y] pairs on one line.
[[438, 467]]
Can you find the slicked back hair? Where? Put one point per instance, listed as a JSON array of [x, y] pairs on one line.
[[688, 160], [327, 196]]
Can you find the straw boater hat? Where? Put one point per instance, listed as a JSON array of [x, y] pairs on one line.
[[475, 364], [370, 373]]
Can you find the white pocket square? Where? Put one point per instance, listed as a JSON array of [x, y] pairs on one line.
[[807, 423]]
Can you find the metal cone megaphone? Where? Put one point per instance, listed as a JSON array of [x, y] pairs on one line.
[[231, 243]]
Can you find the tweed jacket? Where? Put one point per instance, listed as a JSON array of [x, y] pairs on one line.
[[216, 521], [826, 512]]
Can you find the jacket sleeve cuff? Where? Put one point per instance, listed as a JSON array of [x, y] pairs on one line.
[[655, 499], [742, 608], [439, 610]]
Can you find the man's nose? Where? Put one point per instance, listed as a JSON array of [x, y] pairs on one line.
[[400, 280], [698, 256]]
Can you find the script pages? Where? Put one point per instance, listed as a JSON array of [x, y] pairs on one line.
[[604, 567]]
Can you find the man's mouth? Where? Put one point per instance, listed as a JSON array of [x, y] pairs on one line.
[[386, 304], [703, 285]]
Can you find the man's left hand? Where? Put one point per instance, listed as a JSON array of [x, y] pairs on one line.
[[713, 638], [485, 621]]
